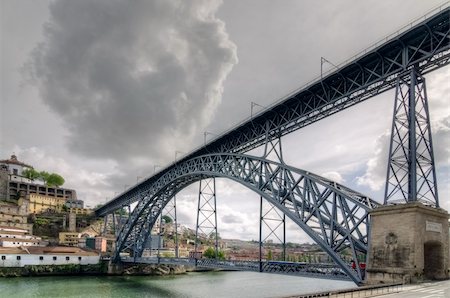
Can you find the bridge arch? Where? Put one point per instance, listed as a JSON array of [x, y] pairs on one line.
[[335, 217]]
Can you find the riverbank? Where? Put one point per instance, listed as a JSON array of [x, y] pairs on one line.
[[94, 269]]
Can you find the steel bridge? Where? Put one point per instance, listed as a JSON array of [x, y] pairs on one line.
[[334, 216], [320, 270]]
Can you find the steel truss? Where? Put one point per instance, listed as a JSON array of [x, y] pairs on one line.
[[206, 226], [171, 211], [319, 270], [411, 174], [272, 222], [426, 45], [335, 217]]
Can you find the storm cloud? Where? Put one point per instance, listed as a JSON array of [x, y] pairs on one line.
[[134, 79]]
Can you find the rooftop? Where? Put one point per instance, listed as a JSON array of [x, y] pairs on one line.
[[13, 160], [50, 250]]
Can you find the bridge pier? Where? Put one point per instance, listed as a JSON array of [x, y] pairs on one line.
[[408, 243]]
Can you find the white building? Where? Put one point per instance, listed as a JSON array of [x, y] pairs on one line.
[[20, 257], [16, 237], [14, 166]]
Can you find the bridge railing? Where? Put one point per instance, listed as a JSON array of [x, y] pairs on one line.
[[320, 270]]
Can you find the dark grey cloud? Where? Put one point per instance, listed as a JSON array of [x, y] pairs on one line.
[[133, 79]]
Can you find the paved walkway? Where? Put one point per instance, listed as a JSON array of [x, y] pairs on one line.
[[440, 289]]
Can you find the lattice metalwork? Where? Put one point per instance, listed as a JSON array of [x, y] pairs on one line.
[[335, 217], [426, 45], [272, 232], [272, 222], [318, 270], [206, 227], [166, 228], [411, 174]]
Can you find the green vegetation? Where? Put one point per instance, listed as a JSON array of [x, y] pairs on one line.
[[210, 253], [31, 174], [50, 179], [167, 219], [121, 211]]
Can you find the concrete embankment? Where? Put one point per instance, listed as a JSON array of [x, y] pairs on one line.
[[361, 292]]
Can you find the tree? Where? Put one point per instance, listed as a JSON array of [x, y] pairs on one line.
[[30, 174], [54, 179], [269, 255], [210, 253], [167, 219], [44, 176]]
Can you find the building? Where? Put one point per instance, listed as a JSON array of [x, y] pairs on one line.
[[16, 237], [13, 166], [100, 244], [13, 185], [20, 257], [43, 203], [80, 211], [71, 203], [15, 215], [69, 238]]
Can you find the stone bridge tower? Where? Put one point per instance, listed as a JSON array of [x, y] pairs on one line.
[[409, 237]]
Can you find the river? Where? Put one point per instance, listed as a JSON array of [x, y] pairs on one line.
[[194, 284]]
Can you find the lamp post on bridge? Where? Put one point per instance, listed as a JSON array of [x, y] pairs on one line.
[[254, 104], [207, 133], [176, 154]]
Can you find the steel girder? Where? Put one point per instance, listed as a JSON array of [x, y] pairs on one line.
[[411, 172], [319, 270], [332, 215], [425, 46]]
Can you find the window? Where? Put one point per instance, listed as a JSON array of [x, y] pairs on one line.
[[67, 258], [3, 257], [18, 258], [41, 258], [79, 258], [15, 172], [54, 258]]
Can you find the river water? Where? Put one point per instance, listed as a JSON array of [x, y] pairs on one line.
[[194, 284]]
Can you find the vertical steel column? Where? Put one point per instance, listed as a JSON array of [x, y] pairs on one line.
[[119, 224], [260, 234], [171, 211], [412, 152], [207, 214], [270, 217], [175, 222], [160, 234], [104, 224], [114, 223], [411, 174]]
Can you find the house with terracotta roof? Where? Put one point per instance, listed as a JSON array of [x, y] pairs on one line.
[[13, 166], [17, 237], [25, 256]]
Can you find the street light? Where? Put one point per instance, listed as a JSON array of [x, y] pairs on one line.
[[176, 153], [207, 133], [253, 104], [322, 62]]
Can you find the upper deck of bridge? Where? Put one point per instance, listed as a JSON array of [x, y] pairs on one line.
[[424, 44]]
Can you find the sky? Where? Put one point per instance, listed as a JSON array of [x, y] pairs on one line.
[[104, 92]]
